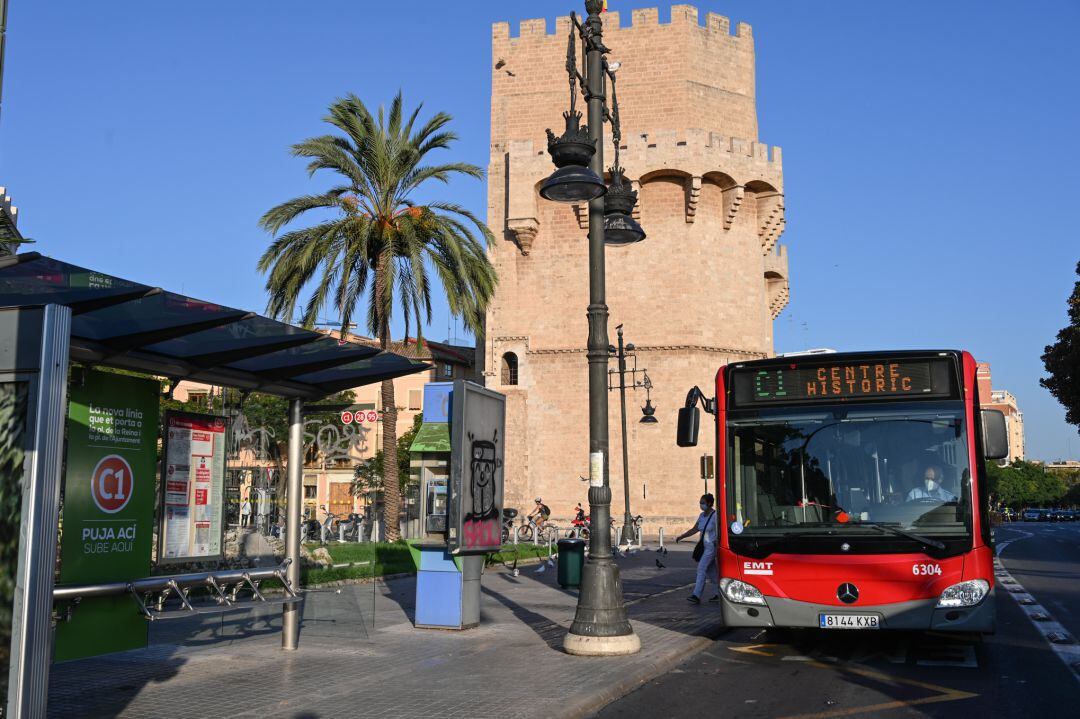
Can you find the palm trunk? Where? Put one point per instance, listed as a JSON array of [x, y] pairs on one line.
[[391, 488]]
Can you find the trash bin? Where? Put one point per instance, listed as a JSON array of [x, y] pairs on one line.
[[571, 560]]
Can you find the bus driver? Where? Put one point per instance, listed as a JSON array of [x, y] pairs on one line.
[[931, 487]]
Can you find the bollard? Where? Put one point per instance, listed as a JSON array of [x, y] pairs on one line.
[[661, 537], [341, 532]]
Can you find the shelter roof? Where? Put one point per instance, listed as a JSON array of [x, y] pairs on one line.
[[125, 324]]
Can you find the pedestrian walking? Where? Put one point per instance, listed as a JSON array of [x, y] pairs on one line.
[[705, 551], [245, 513]]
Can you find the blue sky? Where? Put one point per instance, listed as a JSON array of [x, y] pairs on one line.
[[930, 150]]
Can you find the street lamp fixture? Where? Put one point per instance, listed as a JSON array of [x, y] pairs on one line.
[[619, 227], [571, 152], [648, 410], [600, 626]]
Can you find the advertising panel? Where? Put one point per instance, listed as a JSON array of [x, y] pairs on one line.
[[108, 511], [477, 441], [192, 488]]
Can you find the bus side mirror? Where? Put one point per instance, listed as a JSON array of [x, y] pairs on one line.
[[689, 419], [995, 434]]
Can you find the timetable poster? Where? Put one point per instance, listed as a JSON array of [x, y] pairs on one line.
[[192, 487]]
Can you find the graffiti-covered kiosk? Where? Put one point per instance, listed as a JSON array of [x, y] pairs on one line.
[[52, 314], [458, 458]]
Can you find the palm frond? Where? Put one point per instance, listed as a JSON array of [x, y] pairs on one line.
[[379, 248]]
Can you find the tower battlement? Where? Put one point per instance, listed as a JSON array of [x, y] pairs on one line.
[[681, 16], [677, 73]]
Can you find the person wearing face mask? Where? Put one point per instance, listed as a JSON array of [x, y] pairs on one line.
[[706, 568], [931, 487]]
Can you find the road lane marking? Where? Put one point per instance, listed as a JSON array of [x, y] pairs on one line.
[[944, 694], [1000, 546], [1051, 630], [754, 649]]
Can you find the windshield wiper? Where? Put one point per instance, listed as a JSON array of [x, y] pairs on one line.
[[772, 541], [902, 532]]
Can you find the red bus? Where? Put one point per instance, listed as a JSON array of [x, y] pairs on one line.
[[852, 489]]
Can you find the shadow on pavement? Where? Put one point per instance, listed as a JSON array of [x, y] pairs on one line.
[[116, 679], [550, 632]]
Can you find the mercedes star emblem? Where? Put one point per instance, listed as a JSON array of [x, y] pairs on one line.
[[847, 593], [845, 547]]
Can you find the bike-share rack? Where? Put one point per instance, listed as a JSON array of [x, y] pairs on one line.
[[179, 586]]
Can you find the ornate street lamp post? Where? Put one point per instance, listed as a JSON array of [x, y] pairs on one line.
[[621, 353], [600, 626]]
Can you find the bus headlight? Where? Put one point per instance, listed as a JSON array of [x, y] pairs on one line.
[[740, 592], [964, 594]]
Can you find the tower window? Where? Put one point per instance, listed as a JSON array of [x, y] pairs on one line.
[[509, 368]]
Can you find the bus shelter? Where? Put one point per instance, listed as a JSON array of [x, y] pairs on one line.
[[52, 313]]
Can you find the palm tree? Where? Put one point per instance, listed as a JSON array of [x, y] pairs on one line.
[[372, 243]]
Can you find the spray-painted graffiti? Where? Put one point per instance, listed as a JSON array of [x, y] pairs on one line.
[[257, 440], [336, 442], [481, 524], [332, 441]]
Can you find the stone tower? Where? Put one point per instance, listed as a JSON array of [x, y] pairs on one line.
[[701, 291]]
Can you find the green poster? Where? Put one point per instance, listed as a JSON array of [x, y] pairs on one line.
[[106, 528]]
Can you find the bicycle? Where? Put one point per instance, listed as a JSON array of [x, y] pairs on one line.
[[529, 530]]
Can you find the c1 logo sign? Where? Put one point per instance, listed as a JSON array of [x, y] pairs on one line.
[[111, 484]]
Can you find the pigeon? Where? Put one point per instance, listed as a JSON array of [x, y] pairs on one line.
[[659, 565], [516, 571], [541, 569], [550, 563]]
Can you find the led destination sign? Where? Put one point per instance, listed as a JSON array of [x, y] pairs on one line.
[[844, 381]]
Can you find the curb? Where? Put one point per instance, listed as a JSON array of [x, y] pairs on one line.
[[588, 706]]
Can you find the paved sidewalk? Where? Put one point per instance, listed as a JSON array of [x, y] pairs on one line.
[[511, 666]]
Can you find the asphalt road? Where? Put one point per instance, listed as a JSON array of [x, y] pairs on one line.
[[803, 673]]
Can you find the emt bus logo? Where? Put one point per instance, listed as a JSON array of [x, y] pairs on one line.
[[757, 568], [111, 483]]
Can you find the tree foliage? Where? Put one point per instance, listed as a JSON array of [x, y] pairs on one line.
[[1062, 361], [1024, 484], [373, 244]]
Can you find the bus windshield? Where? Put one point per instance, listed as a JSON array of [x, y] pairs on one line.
[[888, 472]]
